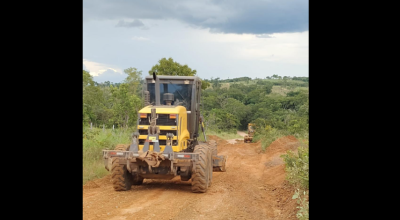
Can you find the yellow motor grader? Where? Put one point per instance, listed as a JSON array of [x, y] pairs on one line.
[[250, 133], [165, 144]]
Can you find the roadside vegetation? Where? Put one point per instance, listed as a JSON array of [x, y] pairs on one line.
[[94, 141], [297, 173]]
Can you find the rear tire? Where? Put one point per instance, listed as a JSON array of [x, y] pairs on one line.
[[121, 178], [201, 173]]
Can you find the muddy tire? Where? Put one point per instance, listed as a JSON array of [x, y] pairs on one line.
[[137, 180], [121, 179], [210, 170], [201, 173], [213, 146]]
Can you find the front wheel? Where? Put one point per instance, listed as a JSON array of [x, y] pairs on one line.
[[201, 170]]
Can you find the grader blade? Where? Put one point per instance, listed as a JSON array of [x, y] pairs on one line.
[[219, 163]]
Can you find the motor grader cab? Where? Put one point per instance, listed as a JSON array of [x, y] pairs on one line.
[[165, 144], [250, 133]]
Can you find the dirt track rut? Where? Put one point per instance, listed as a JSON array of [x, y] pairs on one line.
[[253, 187]]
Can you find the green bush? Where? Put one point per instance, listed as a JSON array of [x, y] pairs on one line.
[[297, 173], [302, 200], [297, 166]]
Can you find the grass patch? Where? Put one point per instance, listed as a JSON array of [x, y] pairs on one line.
[[94, 142], [93, 169]]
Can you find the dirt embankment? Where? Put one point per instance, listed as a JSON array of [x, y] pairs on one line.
[[253, 187]]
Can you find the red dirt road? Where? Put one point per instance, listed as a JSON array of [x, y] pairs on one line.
[[253, 187]]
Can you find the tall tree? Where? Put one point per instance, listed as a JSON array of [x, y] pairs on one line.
[[133, 80], [216, 83], [172, 68], [204, 84], [125, 106], [91, 96]]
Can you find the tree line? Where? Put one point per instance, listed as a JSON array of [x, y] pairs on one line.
[[229, 109], [224, 108]]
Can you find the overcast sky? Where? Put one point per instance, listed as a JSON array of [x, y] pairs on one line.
[[217, 38]]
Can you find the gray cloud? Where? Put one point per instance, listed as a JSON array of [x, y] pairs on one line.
[[234, 16], [134, 23]]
